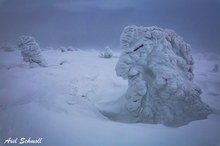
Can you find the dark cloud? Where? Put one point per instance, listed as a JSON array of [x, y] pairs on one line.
[[87, 23]]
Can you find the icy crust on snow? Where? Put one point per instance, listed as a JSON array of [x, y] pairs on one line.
[[159, 68], [31, 51]]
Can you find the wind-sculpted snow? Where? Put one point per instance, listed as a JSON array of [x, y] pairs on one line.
[[31, 51], [159, 68]]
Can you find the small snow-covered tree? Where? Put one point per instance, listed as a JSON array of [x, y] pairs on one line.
[[69, 48], [31, 51], [107, 53]]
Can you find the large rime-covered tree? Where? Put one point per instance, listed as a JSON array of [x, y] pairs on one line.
[[31, 51], [159, 68]]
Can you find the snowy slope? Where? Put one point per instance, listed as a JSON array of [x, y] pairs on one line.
[[58, 103]]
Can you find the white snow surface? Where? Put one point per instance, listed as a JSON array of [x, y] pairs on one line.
[[59, 103]]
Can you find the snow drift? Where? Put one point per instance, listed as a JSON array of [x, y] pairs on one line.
[[159, 68]]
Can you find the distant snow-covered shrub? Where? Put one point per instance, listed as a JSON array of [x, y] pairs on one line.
[[69, 48], [107, 53], [31, 51], [63, 49], [159, 68]]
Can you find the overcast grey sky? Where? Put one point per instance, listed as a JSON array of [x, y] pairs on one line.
[[97, 23]]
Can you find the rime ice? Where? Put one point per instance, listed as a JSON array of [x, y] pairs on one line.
[[159, 68]]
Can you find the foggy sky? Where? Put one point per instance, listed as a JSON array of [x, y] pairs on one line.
[[97, 23]]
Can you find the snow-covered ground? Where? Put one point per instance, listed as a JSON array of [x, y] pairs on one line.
[[59, 103]]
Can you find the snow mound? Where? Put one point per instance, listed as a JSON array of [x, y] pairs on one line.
[[31, 51], [158, 65]]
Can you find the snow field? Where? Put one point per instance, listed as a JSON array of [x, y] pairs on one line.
[[58, 103]]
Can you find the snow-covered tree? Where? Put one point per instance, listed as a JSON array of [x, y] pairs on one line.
[[159, 68], [107, 53], [31, 51]]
